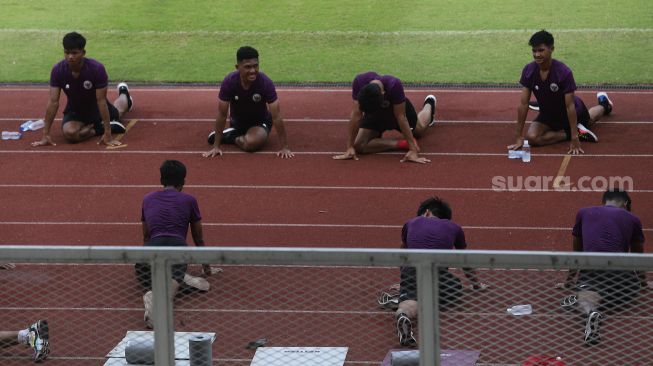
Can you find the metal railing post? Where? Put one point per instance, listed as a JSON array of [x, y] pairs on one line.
[[164, 346], [427, 303]]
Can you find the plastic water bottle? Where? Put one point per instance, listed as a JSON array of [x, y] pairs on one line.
[[526, 152], [35, 125], [520, 309], [25, 126], [10, 135]]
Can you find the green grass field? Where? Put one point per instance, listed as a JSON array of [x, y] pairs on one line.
[[330, 41]]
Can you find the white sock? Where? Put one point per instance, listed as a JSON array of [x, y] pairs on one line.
[[23, 335]]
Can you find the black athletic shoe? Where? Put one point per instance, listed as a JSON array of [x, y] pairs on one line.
[[117, 127], [123, 88], [433, 101], [592, 336], [605, 102], [39, 340], [228, 136], [534, 105], [405, 331]]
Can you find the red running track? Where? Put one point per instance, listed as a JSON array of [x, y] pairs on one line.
[[85, 194]]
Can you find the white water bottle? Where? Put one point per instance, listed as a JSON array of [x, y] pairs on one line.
[[35, 125], [10, 135], [25, 126], [526, 152]]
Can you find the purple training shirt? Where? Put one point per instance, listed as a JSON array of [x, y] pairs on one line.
[[432, 233], [81, 90], [169, 212], [394, 90], [607, 229], [550, 93], [249, 106]]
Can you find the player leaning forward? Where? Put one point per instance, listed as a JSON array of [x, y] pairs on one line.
[[562, 115], [250, 98], [88, 113]]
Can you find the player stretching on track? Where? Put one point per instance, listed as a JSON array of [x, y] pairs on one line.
[[431, 229], [251, 98], [609, 228], [87, 113], [380, 105], [562, 115], [36, 336], [166, 216]]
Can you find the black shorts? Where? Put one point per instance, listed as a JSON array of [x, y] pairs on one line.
[[562, 122], [243, 127], [94, 118], [385, 120], [143, 271], [615, 287], [450, 286]]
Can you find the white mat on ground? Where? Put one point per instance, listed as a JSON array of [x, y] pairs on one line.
[[300, 356], [117, 355]]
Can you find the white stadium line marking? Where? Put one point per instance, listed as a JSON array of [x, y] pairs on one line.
[[291, 187], [290, 225]]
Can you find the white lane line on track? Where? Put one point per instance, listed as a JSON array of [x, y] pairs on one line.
[[333, 120], [290, 225], [293, 187], [199, 152]]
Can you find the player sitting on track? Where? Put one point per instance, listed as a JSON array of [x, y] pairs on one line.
[[251, 98], [87, 113], [431, 229], [609, 228], [166, 216], [36, 336], [380, 105], [562, 115]]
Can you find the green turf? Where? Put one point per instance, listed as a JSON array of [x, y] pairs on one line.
[[431, 41]]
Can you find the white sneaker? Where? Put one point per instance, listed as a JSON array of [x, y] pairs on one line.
[[604, 100], [123, 88], [433, 101]]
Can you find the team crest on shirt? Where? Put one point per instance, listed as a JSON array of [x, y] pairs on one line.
[[235, 97], [554, 87], [88, 84], [67, 86], [256, 97], [537, 87]]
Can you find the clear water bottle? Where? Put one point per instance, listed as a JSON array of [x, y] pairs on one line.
[[526, 152], [25, 126], [525, 309], [35, 125], [10, 135]]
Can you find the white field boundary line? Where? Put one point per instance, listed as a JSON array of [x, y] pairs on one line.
[[291, 187], [326, 33], [215, 90], [329, 120], [286, 225], [308, 153]]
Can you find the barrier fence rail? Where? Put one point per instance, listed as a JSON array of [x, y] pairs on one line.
[[314, 306]]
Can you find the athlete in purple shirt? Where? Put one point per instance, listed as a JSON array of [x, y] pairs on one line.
[[87, 113], [379, 104], [251, 98], [610, 228], [166, 216], [431, 229], [562, 116]]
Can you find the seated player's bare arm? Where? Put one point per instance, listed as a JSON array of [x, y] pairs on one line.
[[412, 155], [50, 113], [354, 122], [220, 123], [277, 122], [101, 98], [574, 146], [522, 112]]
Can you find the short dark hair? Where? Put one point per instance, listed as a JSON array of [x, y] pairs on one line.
[[173, 173], [74, 41], [617, 194], [245, 53], [437, 206], [541, 37], [370, 98]]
